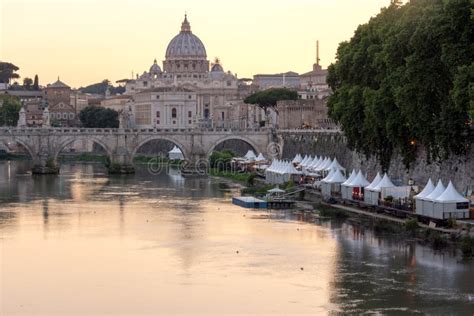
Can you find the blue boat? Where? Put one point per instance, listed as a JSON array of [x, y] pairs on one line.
[[249, 202]]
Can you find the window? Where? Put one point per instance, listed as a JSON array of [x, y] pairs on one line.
[[190, 96], [157, 121], [71, 116], [157, 96], [145, 83], [189, 122], [157, 113], [222, 115], [190, 114], [174, 122], [173, 113], [229, 83]]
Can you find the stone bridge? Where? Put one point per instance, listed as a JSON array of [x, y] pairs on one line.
[[121, 145]]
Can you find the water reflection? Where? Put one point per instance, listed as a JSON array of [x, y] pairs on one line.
[[140, 244]]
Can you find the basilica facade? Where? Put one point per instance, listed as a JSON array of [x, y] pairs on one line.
[[187, 92]]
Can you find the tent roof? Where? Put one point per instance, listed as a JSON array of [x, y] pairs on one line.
[[436, 192], [260, 157], [250, 155], [351, 177], [276, 190], [384, 183], [335, 164], [297, 159], [429, 187], [374, 182], [337, 177], [359, 180], [450, 195], [175, 150], [329, 176]]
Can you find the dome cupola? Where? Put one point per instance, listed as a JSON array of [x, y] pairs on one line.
[[186, 44]]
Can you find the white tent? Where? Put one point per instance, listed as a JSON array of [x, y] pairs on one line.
[[375, 192], [250, 155], [356, 187], [323, 165], [260, 157], [335, 164], [368, 188], [175, 154], [451, 204], [428, 201], [332, 183], [429, 187], [345, 186], [297, 159]]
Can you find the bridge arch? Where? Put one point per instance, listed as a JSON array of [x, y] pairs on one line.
[[70, 140], [178, 144], [33, 154], [247, 140]]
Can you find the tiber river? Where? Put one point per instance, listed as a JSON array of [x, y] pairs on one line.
[[83, 243]]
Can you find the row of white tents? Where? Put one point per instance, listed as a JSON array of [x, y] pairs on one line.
[[316, 166], [441, 202], [251, 156], [436, 202], [280, 171]]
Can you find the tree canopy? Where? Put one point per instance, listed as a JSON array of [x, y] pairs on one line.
[[9, 108], [8, 72], [268, 98], [101, 88], [99, 117], [405, 81]]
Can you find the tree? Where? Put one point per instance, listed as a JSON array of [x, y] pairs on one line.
[[36, 83], [404, 81], [9, 109], [27, 83], [99, 117], [7, 72], [101, 88], [267, 99]]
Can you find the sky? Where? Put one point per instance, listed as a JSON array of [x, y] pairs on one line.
[[86, 41]]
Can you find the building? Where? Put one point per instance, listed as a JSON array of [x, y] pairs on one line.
[[24, 95], [288, 79], [303, 114], [186, 73], [165, 107], [117, 102], [34, 112], [315, 80], [58, 96]]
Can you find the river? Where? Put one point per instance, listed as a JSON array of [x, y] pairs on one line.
[[83, 243]]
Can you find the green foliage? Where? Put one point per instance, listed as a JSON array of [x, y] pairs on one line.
[[99, 117], [36, 83], [259, 190], [467, 246], [220, 160], [8, 72], [326, 211], [452, 223], [236, 176], [404, 80], [9, 110], [101, 88], [411, 225], [268, 98]]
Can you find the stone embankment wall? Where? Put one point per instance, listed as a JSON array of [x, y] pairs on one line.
[[458, 169]]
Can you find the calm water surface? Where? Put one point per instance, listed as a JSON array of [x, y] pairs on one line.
[[83, 243]]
